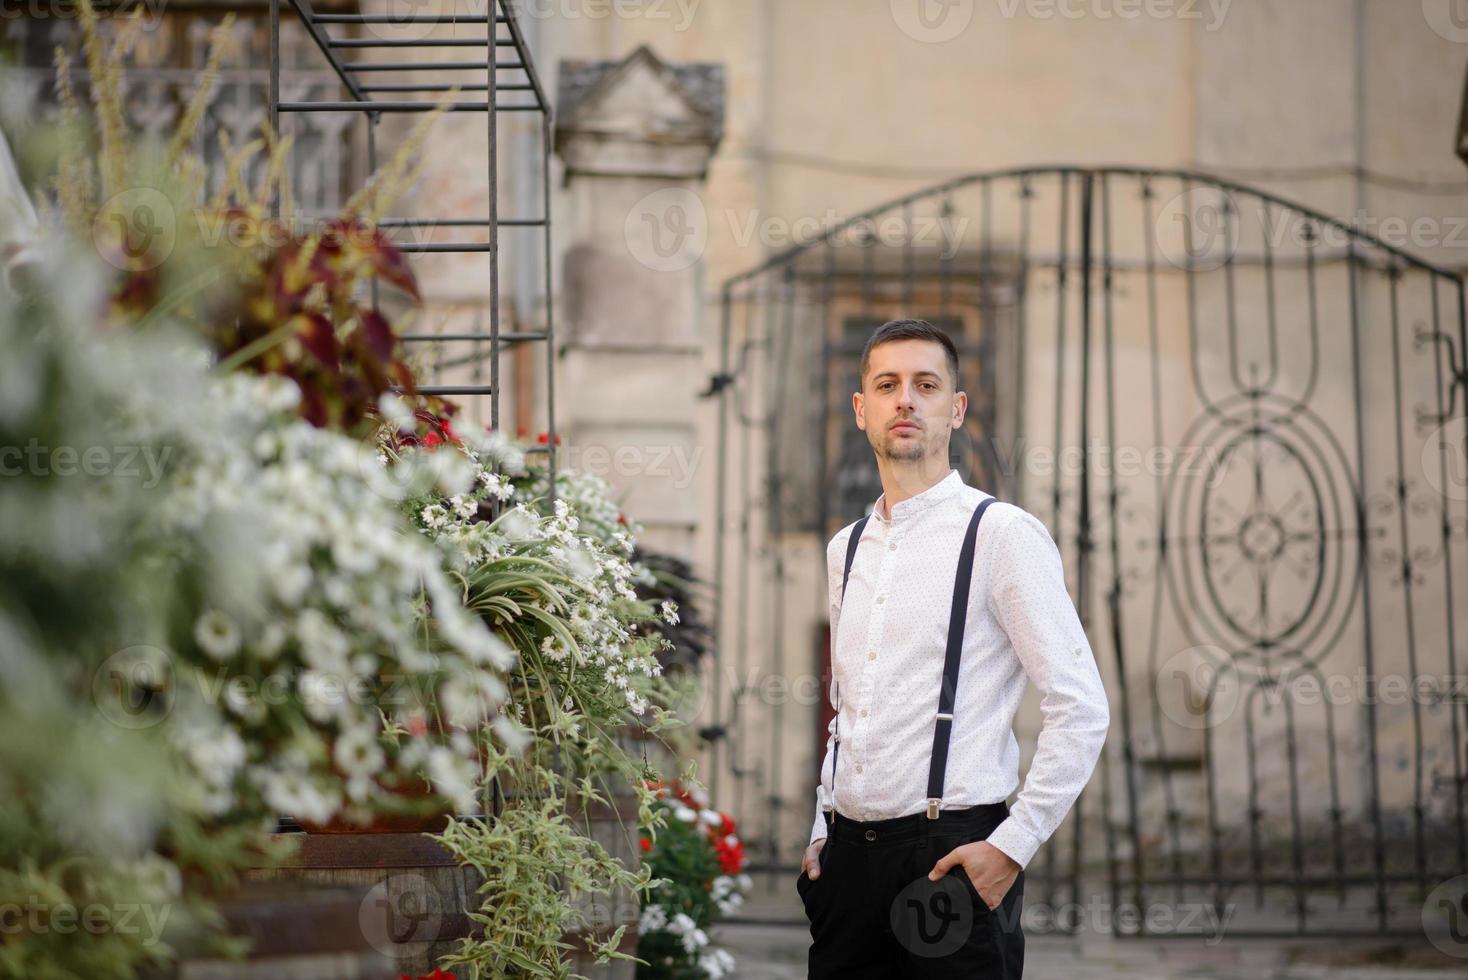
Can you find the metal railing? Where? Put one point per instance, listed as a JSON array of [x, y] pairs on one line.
[[506, 67]]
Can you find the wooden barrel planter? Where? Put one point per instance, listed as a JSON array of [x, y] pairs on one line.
[[297, 932], [415, 897]]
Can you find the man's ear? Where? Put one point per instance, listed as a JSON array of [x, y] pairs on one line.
[[960, 406], [859, 410]]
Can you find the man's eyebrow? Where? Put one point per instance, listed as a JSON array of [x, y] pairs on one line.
[[893, 374]]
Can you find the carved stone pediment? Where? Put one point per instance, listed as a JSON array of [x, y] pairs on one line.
[[639, 117]]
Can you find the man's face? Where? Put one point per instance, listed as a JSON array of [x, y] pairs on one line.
[[907, 405]]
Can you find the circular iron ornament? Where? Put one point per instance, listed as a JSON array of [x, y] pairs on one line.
[[1264, 549]]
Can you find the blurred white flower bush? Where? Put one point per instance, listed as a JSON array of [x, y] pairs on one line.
[[282, 620], [318, 620]]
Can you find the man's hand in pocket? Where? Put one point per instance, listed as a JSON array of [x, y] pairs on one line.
[[811, 864], [989, 869]]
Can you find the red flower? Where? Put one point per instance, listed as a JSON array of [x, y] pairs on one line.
[[435, 975], [727, 827], [646, 844], [731, 856], [544, 438], [440, 431]]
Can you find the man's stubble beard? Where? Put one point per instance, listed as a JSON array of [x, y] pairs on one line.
[[902, 451]]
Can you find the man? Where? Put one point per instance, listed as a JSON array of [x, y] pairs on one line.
[[950, 600]]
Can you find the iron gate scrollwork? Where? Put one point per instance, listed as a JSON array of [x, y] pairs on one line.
[[1244, 423]]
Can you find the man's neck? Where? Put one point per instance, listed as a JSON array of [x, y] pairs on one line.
[[903, 480]]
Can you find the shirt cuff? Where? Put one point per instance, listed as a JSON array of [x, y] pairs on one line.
[[1019, 844], [818, 829]]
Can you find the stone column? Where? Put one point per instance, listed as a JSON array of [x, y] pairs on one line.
[[636, 137]]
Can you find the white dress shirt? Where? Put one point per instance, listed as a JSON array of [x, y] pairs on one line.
[[887, 657]]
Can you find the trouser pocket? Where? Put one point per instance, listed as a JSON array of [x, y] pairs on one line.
[[803, 884]]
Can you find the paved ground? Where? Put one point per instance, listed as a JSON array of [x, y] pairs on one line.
[[778, 952], [770, 938]]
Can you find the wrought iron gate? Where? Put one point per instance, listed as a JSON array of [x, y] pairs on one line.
[[1244, 423]]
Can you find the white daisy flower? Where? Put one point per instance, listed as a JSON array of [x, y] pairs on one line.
[[217, 635]]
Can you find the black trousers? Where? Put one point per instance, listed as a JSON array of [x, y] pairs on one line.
[[875, 916]]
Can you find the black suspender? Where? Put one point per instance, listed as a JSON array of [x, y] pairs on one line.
[[958, 614], [949, 691]]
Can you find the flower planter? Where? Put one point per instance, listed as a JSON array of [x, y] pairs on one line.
[[415, 895], [297, 932], [417, 898]]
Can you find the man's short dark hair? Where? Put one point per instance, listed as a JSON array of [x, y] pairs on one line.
[[910, 330]]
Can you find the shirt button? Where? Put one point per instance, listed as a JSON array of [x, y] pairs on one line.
[[892, 546], [858, 768], [863, 712], [881, 599], [871, 655]]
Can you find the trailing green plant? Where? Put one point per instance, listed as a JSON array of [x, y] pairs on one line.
[[537, 862]]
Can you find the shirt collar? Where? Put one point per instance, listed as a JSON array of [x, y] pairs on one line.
[[939, 491]]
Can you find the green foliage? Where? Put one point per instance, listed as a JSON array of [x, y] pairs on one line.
[[534, 857]]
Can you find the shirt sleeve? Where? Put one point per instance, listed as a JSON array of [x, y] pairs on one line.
[[1028, 598], [835, 564]]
